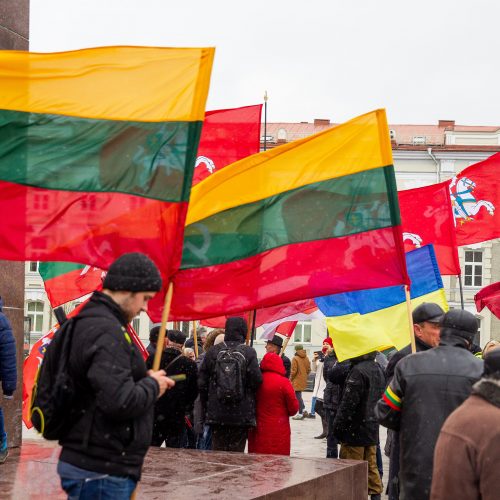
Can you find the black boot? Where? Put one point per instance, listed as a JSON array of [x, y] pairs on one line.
[[321, 436], [375, 497]]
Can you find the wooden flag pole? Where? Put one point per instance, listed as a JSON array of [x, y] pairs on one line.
[[410, 319], [195, 340], [163, 327], [284, 346]]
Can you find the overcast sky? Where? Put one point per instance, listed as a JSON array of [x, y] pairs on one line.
[[421, 60]]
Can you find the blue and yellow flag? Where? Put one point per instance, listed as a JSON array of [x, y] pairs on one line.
[[376, 319]]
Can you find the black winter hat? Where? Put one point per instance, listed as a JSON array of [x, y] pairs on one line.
[[459, 322], [492, 363], [428, 311], [176, 336], [153, 333], [133, 272], [236, 328]]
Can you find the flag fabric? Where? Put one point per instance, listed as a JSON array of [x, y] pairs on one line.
[[427, 217], [284, 325], [34, 360], [267, 314], [489, 297], [475, 197], [373, 320], [65, 281], [309, 218], [228, 135], [97, 152]]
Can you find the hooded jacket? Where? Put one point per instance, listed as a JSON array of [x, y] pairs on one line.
[[355, 423], [399, 355], [426, 388], [8, 371], [276, 402], [220, 413], [112, 429], [468, 448], [301, 367], [335, 374]]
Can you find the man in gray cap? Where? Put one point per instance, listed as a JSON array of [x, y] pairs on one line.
[[426, 388], [426, 318], [109, 431]]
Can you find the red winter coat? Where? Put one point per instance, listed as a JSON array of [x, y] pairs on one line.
[[276, 403]]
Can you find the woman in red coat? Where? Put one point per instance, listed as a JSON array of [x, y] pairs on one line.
[[276, 403]]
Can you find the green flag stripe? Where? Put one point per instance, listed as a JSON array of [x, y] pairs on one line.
[[79, 154], [333, 208], [50, 270]]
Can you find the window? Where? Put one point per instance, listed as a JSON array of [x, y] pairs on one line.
[[136, 323], [302, 332], [35, 312], [473, 275], [477, 338], [33, 266]]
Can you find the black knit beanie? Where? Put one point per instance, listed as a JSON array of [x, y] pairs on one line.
[[492, 363], [133, 272]]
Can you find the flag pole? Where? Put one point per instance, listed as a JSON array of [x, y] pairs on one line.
[[252, 334], [284, 346], [249, 328], [265, 120], [163, 327], [195, 339], [461, 291], [410, 319]]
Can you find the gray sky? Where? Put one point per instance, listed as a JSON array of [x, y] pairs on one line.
[[421, 60]]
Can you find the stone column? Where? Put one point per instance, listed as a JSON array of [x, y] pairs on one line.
[[14, 35]]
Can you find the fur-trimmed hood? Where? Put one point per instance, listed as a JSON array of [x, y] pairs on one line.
[[489, 389]]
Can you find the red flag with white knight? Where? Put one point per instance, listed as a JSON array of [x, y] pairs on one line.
[[475, 198], [227, 136], [427, 217]]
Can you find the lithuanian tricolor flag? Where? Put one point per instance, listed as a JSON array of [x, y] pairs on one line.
[[309, 218], [97, 150]]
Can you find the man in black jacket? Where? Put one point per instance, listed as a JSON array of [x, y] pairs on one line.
[[172, 407], [426, 318], [335, 375], [230, 415], [355, 424], [426, 388], [110, 431]]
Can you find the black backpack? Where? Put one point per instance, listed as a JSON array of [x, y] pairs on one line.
[[230, 369], [54, 392]]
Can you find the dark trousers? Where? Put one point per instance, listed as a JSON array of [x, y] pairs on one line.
[[172, 436], [321, 411], [298, 395], [332, 450], [393, 481], [229, 438]]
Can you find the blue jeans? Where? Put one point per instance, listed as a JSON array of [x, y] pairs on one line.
[[313, 405], [205, 440], [3, 434], [82, 484]]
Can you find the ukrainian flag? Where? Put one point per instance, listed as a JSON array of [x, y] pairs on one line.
[[376, 319]]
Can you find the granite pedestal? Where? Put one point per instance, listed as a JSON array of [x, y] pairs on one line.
[[30, 473]]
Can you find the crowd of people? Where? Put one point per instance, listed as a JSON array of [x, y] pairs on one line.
[[440, 404]]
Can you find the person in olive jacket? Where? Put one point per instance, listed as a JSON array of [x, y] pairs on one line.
[[104, 448], [301, 368]]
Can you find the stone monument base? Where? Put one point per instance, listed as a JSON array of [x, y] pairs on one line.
[[30, 473]]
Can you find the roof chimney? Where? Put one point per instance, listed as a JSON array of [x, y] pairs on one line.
[[321, 122], [450, 124]]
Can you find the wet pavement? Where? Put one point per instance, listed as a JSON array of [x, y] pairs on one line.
[[30, 473]]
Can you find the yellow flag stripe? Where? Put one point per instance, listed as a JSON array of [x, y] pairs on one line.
[[355, 146], [150, 84], [393, 395], [355, 334]]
